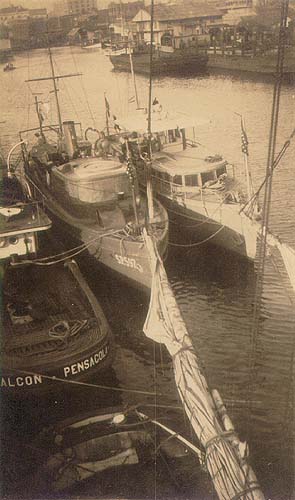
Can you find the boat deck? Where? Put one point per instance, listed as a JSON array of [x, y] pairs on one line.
[[22, 218], [43, 316]]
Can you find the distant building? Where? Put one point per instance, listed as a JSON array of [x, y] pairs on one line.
[[5, 49], [238, 4], [13, 13], [176, 25], [80, 7], [38, 13], [19, 34], [124, 11]]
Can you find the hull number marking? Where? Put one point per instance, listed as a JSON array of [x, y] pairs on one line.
[[128, 262]]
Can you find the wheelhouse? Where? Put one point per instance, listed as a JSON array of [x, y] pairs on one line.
[[179, 173]]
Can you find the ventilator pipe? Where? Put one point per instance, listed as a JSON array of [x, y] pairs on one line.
[[9, 172], [70, 138]]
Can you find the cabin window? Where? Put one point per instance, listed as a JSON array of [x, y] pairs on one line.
[[208, 176], [191, 180], [221, 170], [177, 179]]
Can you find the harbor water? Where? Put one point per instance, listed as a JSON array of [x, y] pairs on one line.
[[215, 290]]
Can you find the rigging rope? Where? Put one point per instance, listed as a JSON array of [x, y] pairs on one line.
[[269, 171], [275, 164], [262, 244], [83, 88], [77, 250], [84, 384]]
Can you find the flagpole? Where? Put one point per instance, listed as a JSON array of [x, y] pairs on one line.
[[246, 153]]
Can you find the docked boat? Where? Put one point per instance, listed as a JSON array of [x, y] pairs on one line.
[[53, 328], [178, 62], [20, 222], [94, 205], [92, 46], [114, 443], [92, 195], [200, 192]]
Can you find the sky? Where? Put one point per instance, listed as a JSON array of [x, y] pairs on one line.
[[35, 4]]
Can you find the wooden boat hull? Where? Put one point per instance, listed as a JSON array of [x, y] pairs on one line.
[[54, 330], [165, 64]]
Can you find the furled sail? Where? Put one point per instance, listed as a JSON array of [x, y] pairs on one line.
[[224, 455]]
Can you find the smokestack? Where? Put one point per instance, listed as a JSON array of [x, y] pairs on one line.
[[70, 137]]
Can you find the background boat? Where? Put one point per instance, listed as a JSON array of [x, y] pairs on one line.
[[179, 62]]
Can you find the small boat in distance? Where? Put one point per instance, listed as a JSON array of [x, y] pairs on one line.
[[200, 192], [9, 67], [92, 46]]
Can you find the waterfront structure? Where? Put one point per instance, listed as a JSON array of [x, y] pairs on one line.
[[80, 7], [5, 49], [12, 13], [176, 25], [9, 15]]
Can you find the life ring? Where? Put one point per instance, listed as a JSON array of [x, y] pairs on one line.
[[90, 129], [60, 330]]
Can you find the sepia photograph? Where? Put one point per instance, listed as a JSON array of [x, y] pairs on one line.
[[147, 249]]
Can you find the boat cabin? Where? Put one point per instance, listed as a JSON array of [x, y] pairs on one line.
[[93, 188], [178, 165], [19, 221], [184, 173], [91, 180]]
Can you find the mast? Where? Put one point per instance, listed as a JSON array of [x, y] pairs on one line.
[[55, 89], [148, 165], [54, 78]]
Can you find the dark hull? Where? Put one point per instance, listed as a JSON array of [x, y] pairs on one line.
[[255, 65], [166, 64], [121, 253], [54, 330], [112, 444]]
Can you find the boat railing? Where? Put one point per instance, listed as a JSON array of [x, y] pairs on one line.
[[36, 188]]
